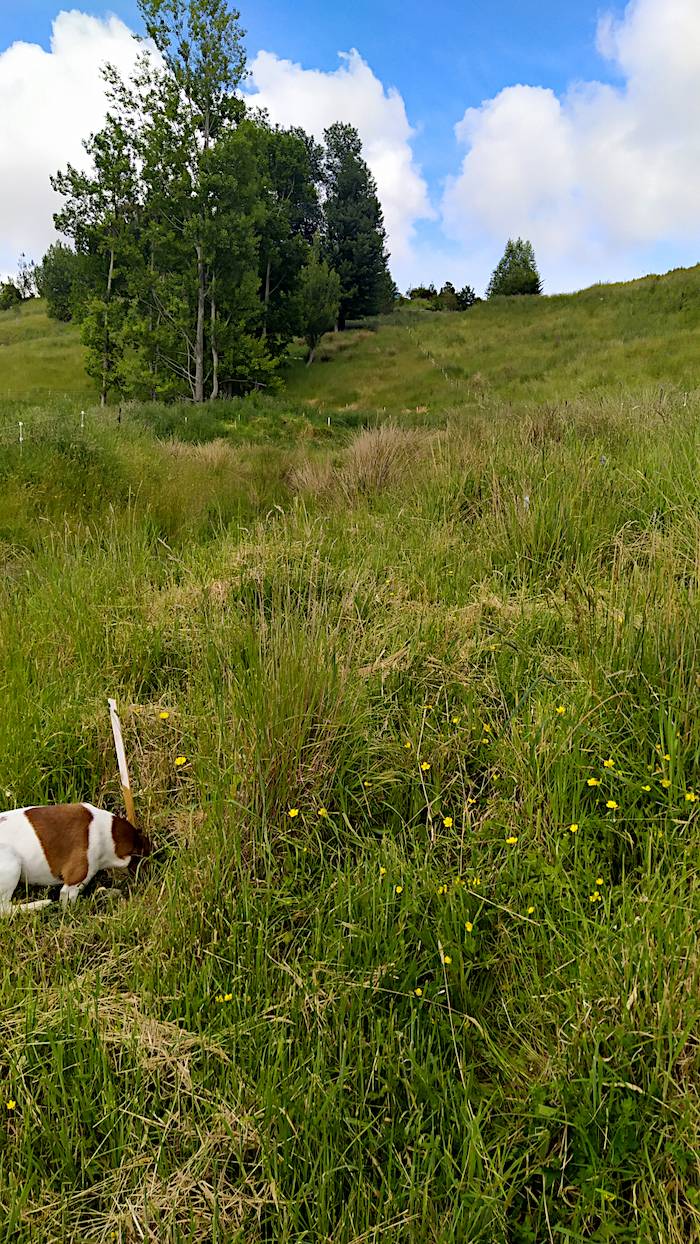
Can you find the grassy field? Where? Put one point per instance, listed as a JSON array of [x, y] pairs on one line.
[[418, 959]]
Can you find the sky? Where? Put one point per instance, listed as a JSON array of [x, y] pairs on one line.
[[575, 123]]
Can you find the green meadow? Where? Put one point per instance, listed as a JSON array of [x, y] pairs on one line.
[[406, 655]]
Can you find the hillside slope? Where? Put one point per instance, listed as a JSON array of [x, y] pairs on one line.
[[543, 350]]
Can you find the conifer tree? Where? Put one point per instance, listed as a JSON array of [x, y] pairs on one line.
[[355, 234]]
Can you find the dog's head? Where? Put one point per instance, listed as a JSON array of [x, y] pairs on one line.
[[129, 842]]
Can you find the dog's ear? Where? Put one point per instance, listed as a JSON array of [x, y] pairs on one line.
[[128, 840]]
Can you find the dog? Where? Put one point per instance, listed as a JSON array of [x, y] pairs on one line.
[[63, 845]]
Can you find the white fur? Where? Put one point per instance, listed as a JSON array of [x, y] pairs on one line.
[[22, 857]]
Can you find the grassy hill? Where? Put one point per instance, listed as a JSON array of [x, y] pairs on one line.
[[644, 332], [411, 711]]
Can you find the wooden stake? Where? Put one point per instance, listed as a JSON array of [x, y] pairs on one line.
[[121, 760]]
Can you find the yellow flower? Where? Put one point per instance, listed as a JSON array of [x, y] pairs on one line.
[[496, 777], [448, 822], [456, 721], [293, 812], [219, 997], [418, 992], [690, 796], [487, 728], [530, 911], [609, 764], [599, 880], [471, 800], [594, 898], [468, 926], [611, 804], [11, 1104], [666, 756], [442, 889], [228, 997], [512, 840], [366, 783], [560, 709], [593, 782], [164, 715], [425, 766], [573, 829], [666, 782], [398, 889], [485, 740], [382, 872], [647, 787], [408, 745], [430, 706], [446, 959], [323, 812], [180, 761]]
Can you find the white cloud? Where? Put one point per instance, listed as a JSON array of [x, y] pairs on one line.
[[601, 172], [49, 102], [312, 99]]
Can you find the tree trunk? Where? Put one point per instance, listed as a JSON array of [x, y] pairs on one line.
[[199, 341], [267, 299], [312, 355], [214, 352], [105, 350]]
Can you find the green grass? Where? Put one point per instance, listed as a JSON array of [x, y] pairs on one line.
[[284, 1030]]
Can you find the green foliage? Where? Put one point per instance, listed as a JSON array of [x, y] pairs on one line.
[[355, 235], [466, 298], [516, 272], [319, 300], [59, 281], [10, 295]]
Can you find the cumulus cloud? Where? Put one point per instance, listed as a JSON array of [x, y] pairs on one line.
[[599, 174], [49, 102], [313, 99]]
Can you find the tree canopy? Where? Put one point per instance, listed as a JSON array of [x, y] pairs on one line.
[[516, 272]]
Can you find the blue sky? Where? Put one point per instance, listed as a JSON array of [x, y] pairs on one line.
[[566, 140]]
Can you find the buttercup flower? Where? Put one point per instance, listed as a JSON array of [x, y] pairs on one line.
[[593, 782], [599, 880], [530, 911], [164, 715], [573, 829], [512, 840], [468, 926], [447, 822], [293, 812], [418, 992], [647, 787], [611, 804], [382, 872], [665, 782], [11, 1104], [323, 812], [180, 761], [690, 796], [446, 959], [408, 745], [560, 709], [425, 766], [609, 764], [398, 889]]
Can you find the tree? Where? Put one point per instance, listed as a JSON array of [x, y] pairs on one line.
[[26, 277], [10, 296], [355, 242], [58, 279], [517, 271], [319, 300], [447, 298], [466, 298], [290, 217]]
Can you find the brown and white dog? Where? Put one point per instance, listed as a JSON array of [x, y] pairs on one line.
[[65, 844]]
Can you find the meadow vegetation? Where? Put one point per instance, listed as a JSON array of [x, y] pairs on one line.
[[411, 705]]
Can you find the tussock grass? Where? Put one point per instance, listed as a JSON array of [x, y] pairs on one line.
[[379, 1018]]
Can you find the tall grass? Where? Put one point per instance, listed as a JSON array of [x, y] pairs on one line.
[[375, 986]]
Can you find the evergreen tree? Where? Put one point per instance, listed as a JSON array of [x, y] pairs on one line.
[[516, 272], [355, 234], [466, 298], [10, 296], [59, 281], [319, 300]]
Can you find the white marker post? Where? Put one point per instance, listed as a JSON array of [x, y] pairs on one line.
[[121, 759]]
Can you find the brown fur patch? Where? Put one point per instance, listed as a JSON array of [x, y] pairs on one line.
[[127, 839], [63, 832]]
